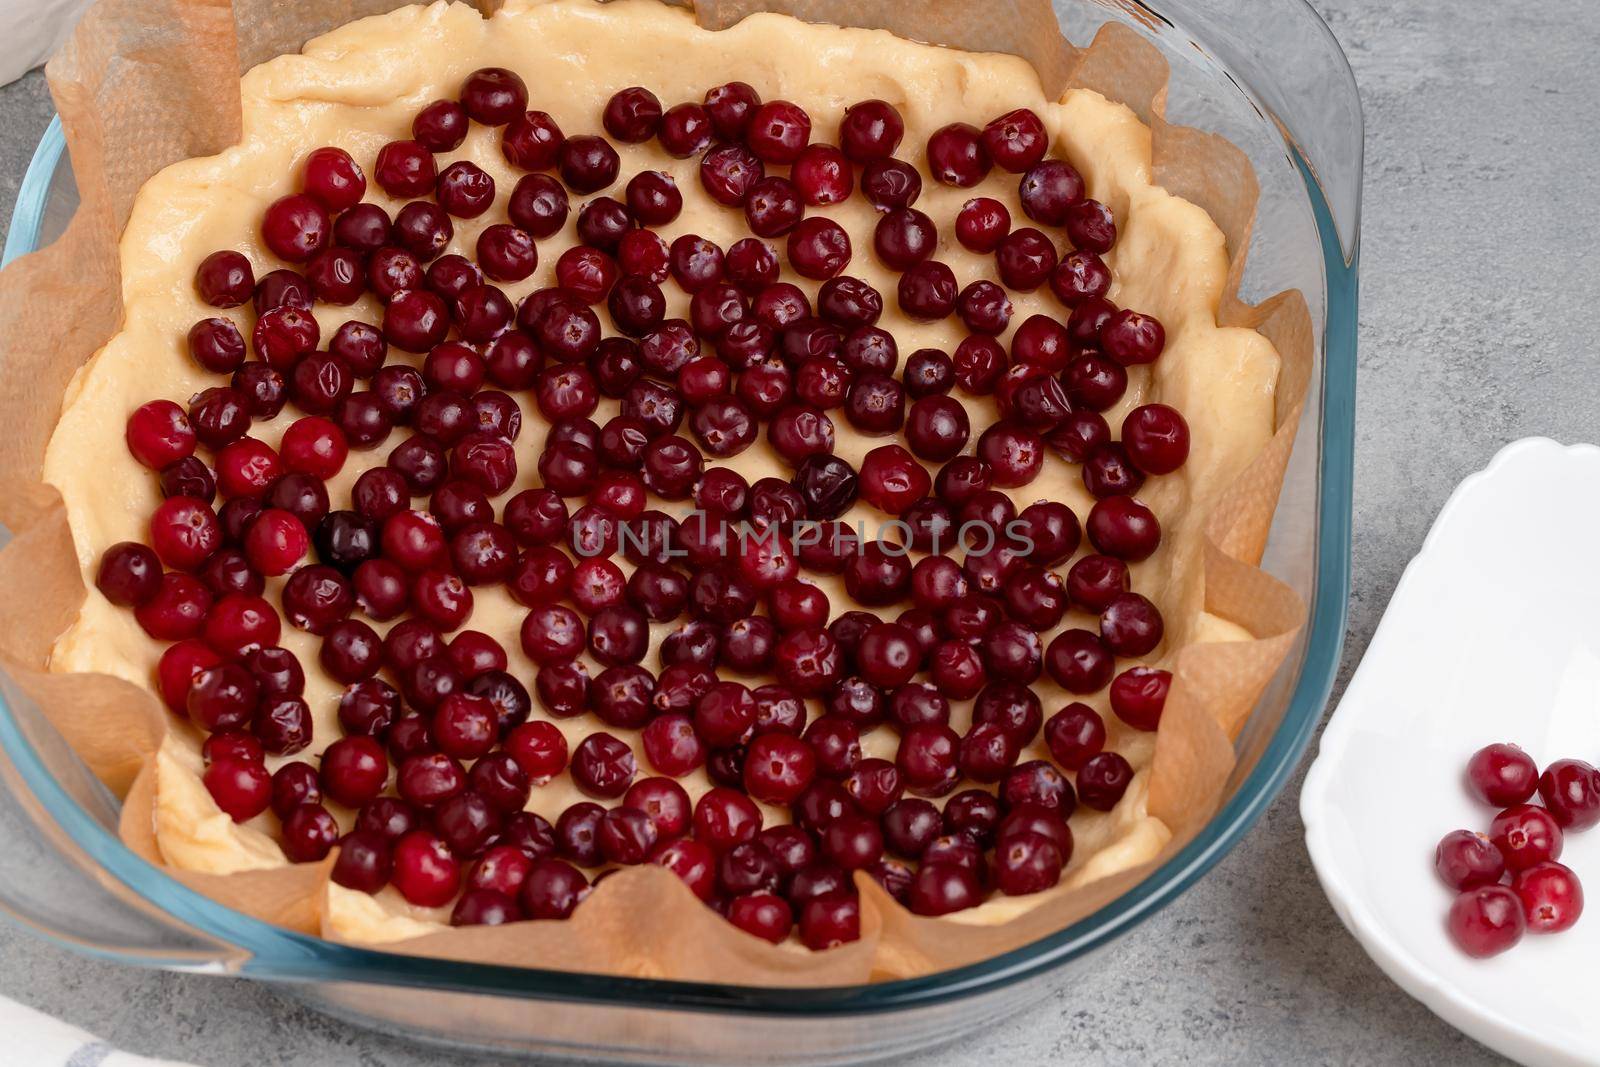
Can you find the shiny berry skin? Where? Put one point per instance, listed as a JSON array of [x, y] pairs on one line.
[[941, 888], [493, 96], [1049, 190], [632, 115], [724, 818], [778, 132], [553, 889], [956, 155], [354, 770], [822, 175], [728, 173], [587, 164], [1103, 779], [1131, 338], [532, 141], [225, 279], [129, 574], [309, 833], [296, 227], [764, 915], [830, 920], [1080, 276], [1502, 775], [1465, 860], [603, 766], [1570, 790], [818, 248], [1526, 834], [685, 130], [1075, 734], [159, 434], [1090, 226], [241, 788], [870, 129], [1025, 258], [1552, 897], [1139, 695], [1156, 437], [424, 870], [441, 126], [891, 479], [1026, 862], [982, 224], [1486, 921], [1131, 626], [1016, 140], [1122, 527]]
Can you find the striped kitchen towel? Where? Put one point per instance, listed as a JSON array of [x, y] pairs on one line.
[[33, 1039]]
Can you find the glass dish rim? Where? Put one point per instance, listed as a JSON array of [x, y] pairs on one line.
[[276, 953]]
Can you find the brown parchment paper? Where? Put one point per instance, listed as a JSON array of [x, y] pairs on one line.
[[146, 83]]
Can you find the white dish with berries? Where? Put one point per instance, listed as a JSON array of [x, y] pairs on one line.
[[1490, 639]]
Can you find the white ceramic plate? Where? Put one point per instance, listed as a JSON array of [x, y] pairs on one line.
[[1493, 634]]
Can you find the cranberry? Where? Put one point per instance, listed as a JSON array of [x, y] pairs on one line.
[[890, 183], [1049, 190], [404, 169], [533, 141], [762, 914], [1570, 790], [1502, 775], [822, 175], [441, 126], [892, 480], [1122, 527], [1138, 696], [904, 237], [1465, 860], [159, 434], [729, 172], [603, 766], [627, 835], [929, 372], [296, 227], [685, 130], [979, 364], [870, 129], [241, 788], [632, 114], [225, 279], [1074, 735], [587, 164], [1552, 898], [724, 818], [927, 291], [1080, 276], [1486, 921], [818, 248], [493, 96], [129, 574], [827, 486], [942, 888], [1025, 258], [553, 889], [956, 155], [926, 758], [1130, 625], [937, 428], [1090, 226], [424, 871], [1079, 661]]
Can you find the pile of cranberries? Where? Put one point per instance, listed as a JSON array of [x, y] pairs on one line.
[[1524, 841], [440, 750]]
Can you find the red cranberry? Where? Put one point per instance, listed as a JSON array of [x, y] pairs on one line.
[[425, 872], [1502, 775], [553, 889], [1131, 625], [1486, 921], [493, 96], [129, 574], [819, 248], [241, 788], [1465, 860], [632, 115], [728, 173], [979, 363], [956, 155], [762, 914], [890, 183], [1138, 696], [942, 888], [724, 818], [822, 175], [441, 126], [1025, 258], [532, 141], [1075, 734], [685, 130], [1049, 190], [1570, 790], [587, 164], [1079, 661], [1080, 276], [904, 237], [1090, 226], [1103, 779], [603, 766], [1016, 140], [1552, 898], [225, 279], [296, 227], [891, 479]]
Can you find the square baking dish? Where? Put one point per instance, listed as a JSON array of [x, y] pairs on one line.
[[1267, 75]]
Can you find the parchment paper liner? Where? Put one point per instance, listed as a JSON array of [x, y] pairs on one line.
[[144, 83]]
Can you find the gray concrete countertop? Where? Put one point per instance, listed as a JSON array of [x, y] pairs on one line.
[[1478, 327]]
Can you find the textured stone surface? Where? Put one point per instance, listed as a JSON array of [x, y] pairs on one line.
[[1478, 327]]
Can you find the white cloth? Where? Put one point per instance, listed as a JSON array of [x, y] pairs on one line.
[[37, 1040], [32, 31]]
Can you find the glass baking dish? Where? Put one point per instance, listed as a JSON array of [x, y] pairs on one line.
[[1266, 74]]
